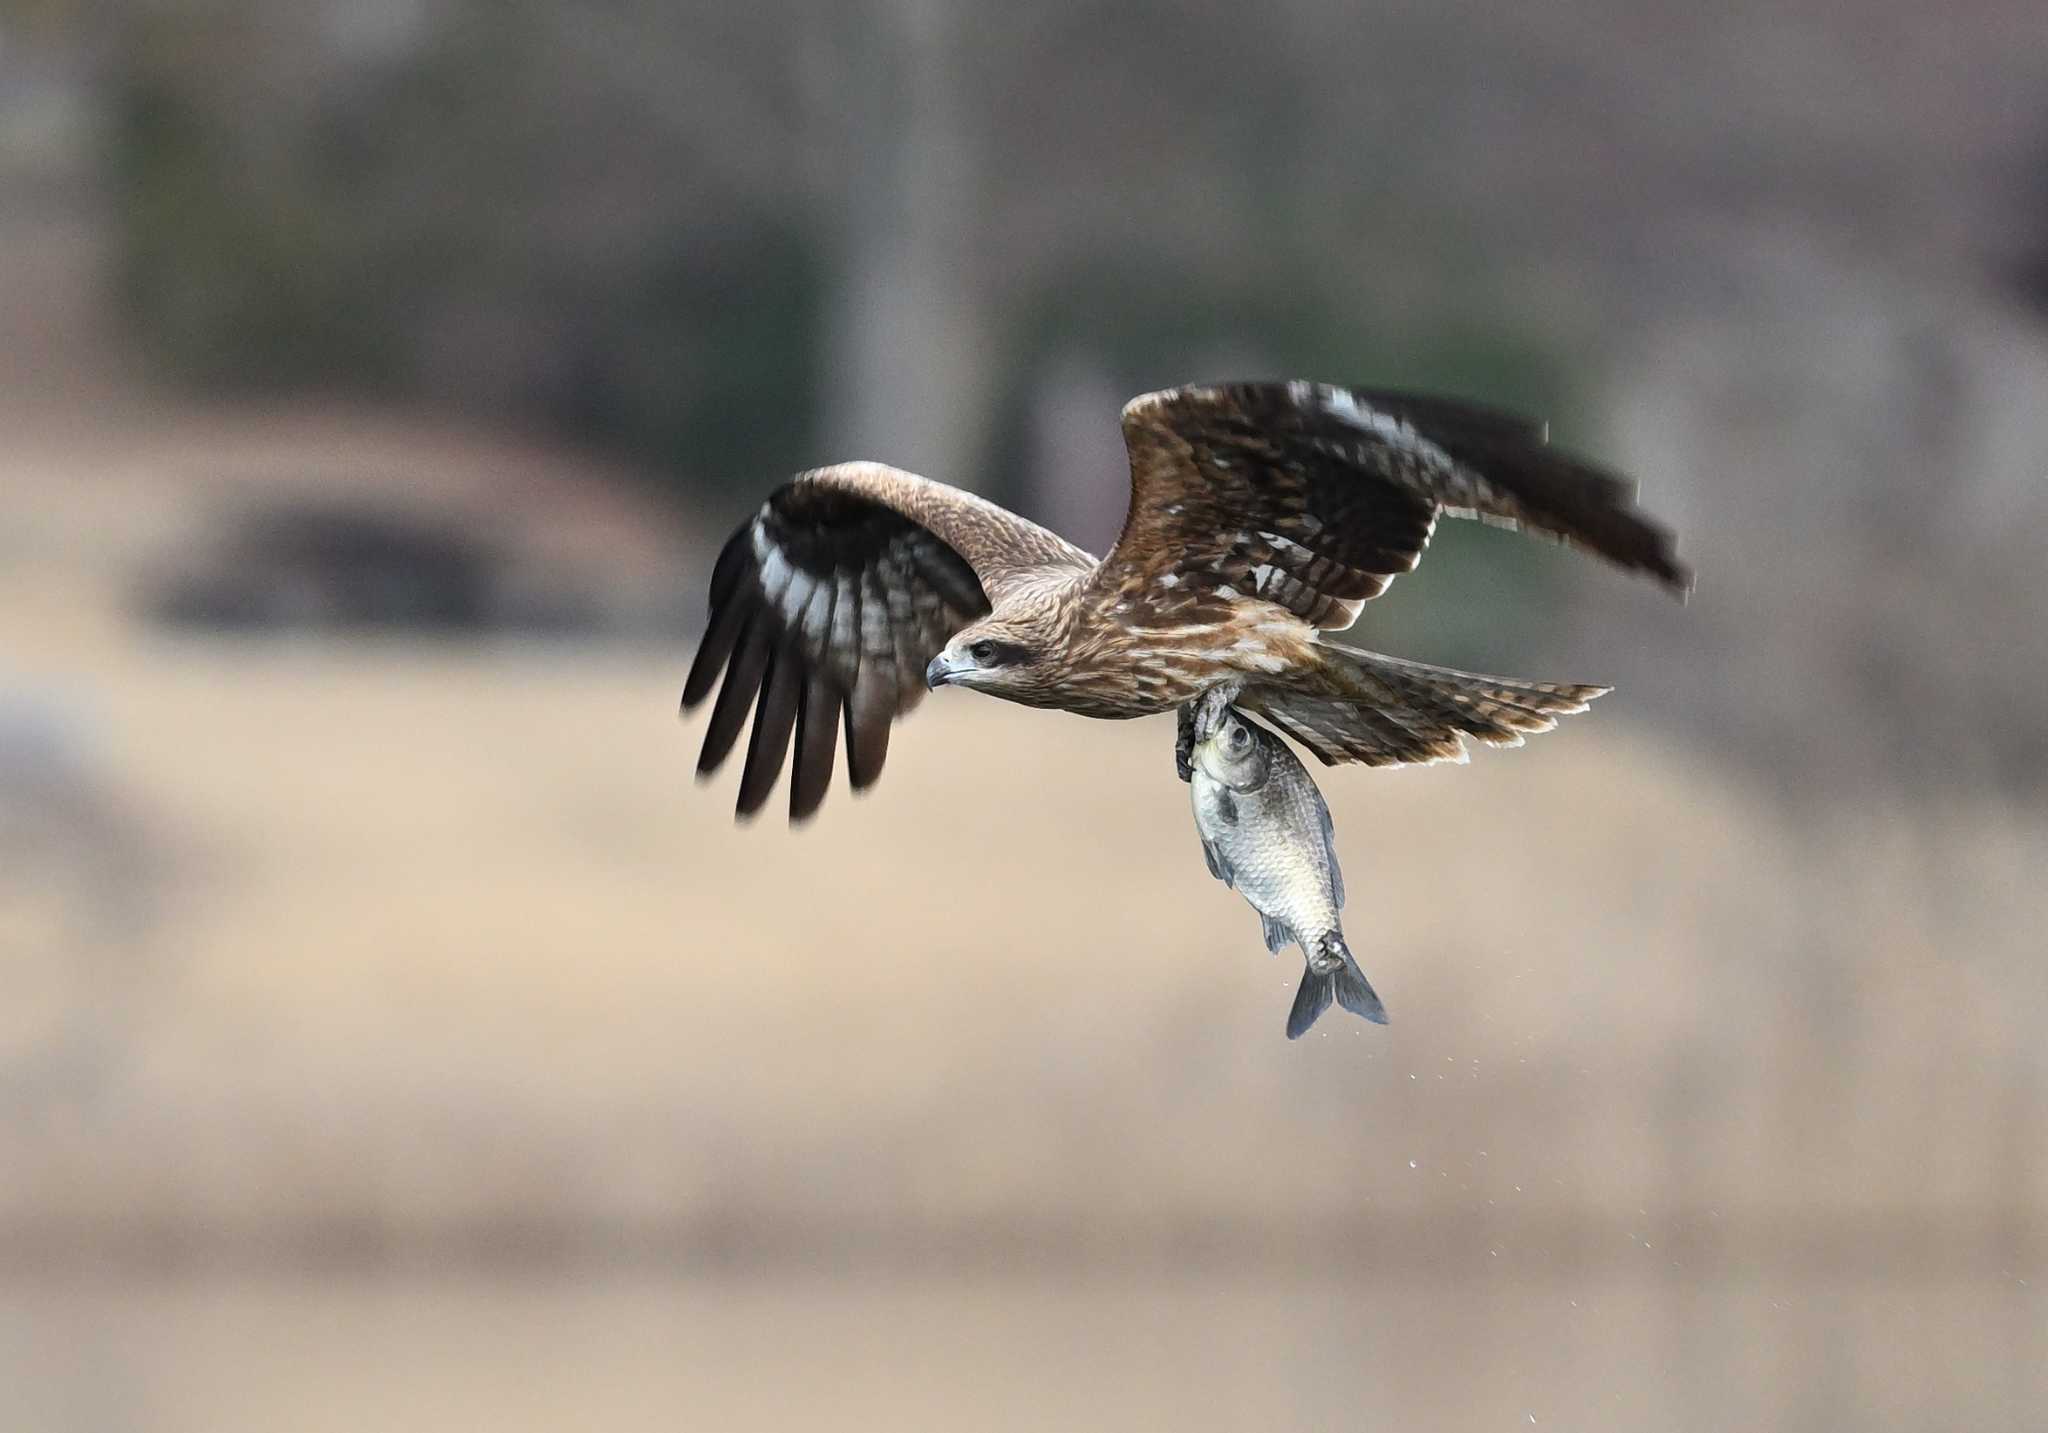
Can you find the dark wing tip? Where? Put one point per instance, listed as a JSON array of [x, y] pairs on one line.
[[774, 718], [1638, 543], [817, 746], [867, 719], [728, 615], [1580, 502], [1576, 491], [1677, 578], [743, 673]]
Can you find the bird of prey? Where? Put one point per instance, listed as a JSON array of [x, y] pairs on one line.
[[1262, 517]]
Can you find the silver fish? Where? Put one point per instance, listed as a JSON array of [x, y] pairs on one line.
[[1267, 834]]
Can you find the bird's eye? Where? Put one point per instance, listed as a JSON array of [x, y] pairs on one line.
[[983, 652]]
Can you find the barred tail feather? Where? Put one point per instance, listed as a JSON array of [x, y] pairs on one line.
[[1384, 711]]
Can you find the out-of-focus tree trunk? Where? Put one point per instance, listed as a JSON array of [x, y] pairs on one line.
[[906, 330]]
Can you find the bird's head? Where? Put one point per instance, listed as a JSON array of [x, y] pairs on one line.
[[1003, 655]]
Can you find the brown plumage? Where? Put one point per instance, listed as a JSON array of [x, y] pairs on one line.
[[1261, 515]]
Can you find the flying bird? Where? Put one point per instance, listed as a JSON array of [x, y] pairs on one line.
[[1262, 517]]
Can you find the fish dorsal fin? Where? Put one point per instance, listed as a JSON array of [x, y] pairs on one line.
[[1329, 847]]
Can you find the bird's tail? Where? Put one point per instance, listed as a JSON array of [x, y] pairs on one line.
[[1383, 711], [1340, 978]]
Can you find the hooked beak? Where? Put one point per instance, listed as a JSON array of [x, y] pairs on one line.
[[938, 674]]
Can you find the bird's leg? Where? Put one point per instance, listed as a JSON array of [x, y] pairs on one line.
[[1198, 717]]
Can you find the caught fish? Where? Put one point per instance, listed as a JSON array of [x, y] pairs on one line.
[[1267, 834]]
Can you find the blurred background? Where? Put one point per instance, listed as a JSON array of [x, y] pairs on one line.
[[394, 1036]]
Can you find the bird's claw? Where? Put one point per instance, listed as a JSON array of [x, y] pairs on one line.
[[1184, 743]]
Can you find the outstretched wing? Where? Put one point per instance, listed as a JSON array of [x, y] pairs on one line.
[[827, 605], [1316, 497]]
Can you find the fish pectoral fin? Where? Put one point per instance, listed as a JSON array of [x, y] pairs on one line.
[[1219, 865], [1278, 936]]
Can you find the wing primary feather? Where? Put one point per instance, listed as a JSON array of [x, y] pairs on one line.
[[817, 741], [736, 697], [868, 714], [773, 718], [721, 631], [735, 560]]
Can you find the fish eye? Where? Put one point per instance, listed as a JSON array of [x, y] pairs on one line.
[[1240, 738], [983, 652]]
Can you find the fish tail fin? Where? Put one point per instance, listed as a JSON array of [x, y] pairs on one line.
[[1384, 711], [1339, 979], [1354, 991], [1311, 999]]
